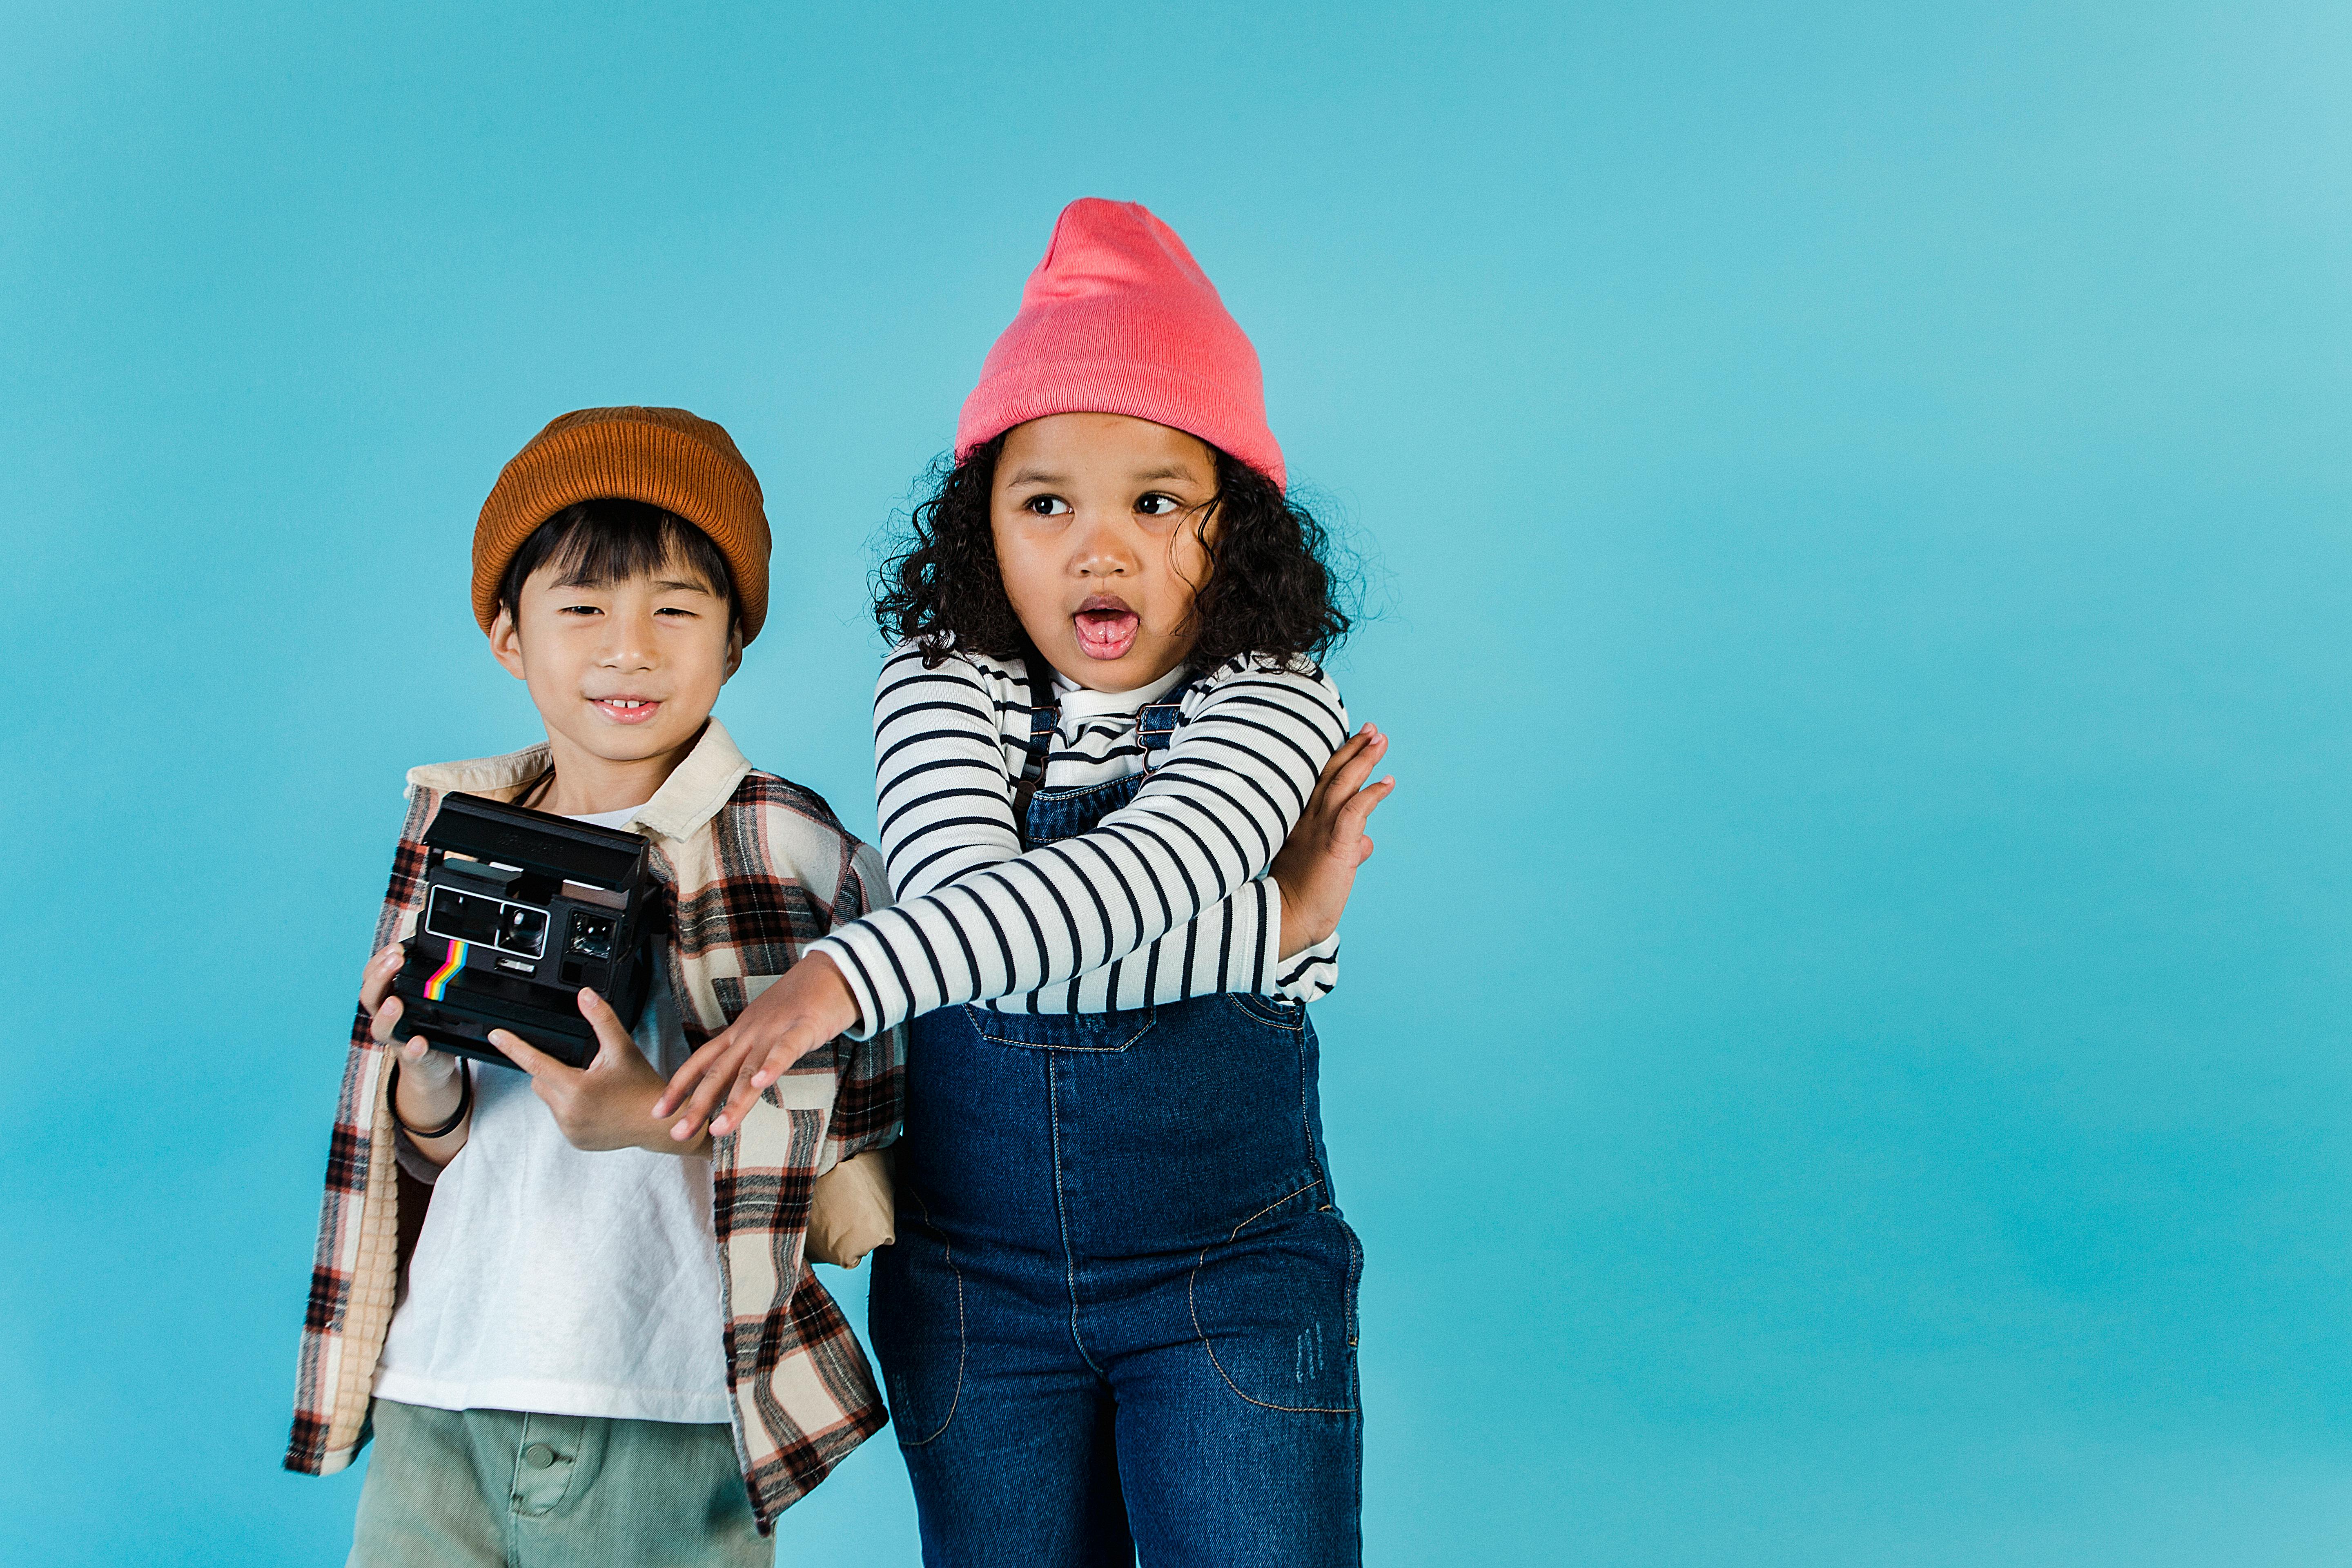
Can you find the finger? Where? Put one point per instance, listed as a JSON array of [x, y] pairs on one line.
[[1349, 751], [376, 978], [705, 1099], [690, 1073], [1351, 778], [385, 1017], [525, 1054], [612, 1041], [1359, 808], [744, 1095], [785, 1052], [748, 1086]]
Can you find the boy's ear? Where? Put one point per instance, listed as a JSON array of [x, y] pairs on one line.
[[506, 642], [734, 651]]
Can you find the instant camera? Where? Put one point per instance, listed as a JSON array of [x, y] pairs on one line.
[[522, 910]]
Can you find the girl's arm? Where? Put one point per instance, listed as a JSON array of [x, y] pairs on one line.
[[1255, 737], [945, 789], [1204, 826]]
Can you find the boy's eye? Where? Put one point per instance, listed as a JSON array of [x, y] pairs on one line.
[[580, 610], [1157, 503], [1046, 506]]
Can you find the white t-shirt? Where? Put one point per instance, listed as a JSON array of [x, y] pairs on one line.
[[559, 1281]]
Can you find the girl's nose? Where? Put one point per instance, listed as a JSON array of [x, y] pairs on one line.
[[1102, 552]]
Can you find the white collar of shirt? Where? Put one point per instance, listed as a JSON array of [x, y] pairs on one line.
[[1084, 702]]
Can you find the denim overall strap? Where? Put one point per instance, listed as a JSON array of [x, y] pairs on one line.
[[1047, 814], [1156, 725], [1044, 712]]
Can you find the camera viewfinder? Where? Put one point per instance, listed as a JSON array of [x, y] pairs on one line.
[[592, 937]]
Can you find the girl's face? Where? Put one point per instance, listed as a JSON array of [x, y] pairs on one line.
[[1099, 539]]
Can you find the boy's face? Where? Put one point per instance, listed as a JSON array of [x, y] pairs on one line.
[[1098, 520], [626, 672]]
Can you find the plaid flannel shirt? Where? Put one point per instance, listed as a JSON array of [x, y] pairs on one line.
[[755, 869]]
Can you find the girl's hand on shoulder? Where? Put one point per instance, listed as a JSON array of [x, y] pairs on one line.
[[1316, 870], [809, 1006], [603, 1105]]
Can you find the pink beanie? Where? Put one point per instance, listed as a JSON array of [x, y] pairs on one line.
[[1119, 318]]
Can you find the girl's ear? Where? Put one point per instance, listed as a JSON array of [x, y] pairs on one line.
[[506, 642]]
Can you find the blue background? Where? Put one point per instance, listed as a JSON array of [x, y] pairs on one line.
[[1841, 1057]]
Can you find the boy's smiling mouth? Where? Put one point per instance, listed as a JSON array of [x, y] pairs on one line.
[[626, 710], [1107, 627]]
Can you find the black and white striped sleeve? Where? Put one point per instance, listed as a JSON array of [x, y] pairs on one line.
[[945, 744], [943, 791], [983, 920]]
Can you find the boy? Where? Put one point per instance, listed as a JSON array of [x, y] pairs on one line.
[[602, 1345]]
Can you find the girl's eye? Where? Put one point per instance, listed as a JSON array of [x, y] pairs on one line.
[[1157, 503], [1046, 506]]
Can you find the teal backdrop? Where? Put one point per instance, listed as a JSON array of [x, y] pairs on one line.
[[1841, 1057]]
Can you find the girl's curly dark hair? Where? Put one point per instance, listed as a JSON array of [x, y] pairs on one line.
[[1271, 591]]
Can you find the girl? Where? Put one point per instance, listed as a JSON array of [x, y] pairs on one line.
[[1120, 1313]]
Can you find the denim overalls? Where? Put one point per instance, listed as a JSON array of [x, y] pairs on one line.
[[1120, 1316]]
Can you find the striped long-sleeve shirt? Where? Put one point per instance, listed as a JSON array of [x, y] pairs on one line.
[[1167, 898]]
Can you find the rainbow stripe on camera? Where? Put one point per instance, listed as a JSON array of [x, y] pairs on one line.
[[440, 981]]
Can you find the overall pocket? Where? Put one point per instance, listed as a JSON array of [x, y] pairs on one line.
[[915, 1315], [1275, 1307]]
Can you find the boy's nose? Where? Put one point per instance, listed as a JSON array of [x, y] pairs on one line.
[[627, 643]]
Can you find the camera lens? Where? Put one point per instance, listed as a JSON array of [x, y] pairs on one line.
[[526, 930]]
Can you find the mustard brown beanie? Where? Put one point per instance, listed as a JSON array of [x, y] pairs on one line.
[[662, 456]]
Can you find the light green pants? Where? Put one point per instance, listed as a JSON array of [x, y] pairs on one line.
[[502, 1488]]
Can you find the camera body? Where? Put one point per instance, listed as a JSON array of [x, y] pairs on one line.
[[522, 910]]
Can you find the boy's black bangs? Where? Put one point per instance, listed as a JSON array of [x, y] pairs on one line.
[[595, 543]]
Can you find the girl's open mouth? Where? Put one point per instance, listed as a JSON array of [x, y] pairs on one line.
[[627, 709], [1106, 627]]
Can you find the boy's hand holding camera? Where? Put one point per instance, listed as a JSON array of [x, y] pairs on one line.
[[604, 1105]]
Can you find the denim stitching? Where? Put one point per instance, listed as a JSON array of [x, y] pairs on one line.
[[1241, 1005], [1061, 1217], [962, 1338], [1039, 1046]]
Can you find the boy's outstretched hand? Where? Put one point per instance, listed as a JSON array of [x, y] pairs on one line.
[[1315, 870], [603, 1105], [806, 1009]]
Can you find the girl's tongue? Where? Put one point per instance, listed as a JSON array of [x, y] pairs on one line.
[[1106, 632]]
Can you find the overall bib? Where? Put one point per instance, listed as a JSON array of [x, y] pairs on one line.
[[1120, 1317]]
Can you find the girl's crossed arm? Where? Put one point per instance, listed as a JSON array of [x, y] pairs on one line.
[[1240, 774], [1206, 824], [946, 757]]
